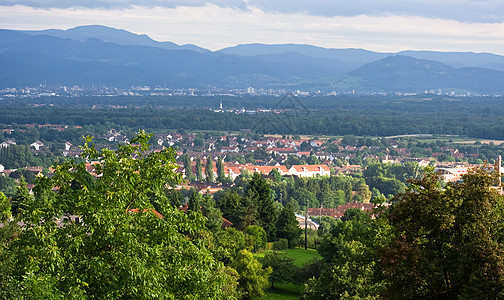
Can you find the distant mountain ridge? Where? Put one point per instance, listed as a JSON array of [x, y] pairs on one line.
[[117, 36], [95, 54]]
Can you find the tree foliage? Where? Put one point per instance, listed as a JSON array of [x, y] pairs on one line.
[[199, 169], [253, 278], [288, 226], [5, 208], [283, 267], [352, 268], [258, 192], [209, 173], [449, 242], [120, 247]]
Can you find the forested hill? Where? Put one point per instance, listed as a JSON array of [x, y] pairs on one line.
[[98, 55]]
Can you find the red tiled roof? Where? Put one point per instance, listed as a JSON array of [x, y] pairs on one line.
[[135, 210], [284, 150], [267, 169], [340, 210], [225, 222]]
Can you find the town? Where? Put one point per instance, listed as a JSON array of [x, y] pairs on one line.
[[43, 90], [234, 155]]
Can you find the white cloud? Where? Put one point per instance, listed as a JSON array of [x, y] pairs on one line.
[[215, 27], [120, 4], [478, 11]]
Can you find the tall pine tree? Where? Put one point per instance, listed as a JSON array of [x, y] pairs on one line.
[[22, 198], [288, 226], [187, 166], [259, 191], [209, 169], [220, 170], [194, 201], [199, 169]]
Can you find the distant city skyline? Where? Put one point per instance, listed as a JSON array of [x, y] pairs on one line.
[[443, 25]]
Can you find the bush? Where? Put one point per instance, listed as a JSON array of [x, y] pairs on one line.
[[281, 244]]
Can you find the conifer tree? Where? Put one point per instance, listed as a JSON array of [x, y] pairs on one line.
[[22, 198], [194, 201], [220, 170], [5, 208], [199, 169], [259, 192], [288, 225], [187, 166], [209, 169], [247, 211]]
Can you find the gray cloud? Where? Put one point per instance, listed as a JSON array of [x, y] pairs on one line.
[[119, 4], [469, 11], [485, 11]]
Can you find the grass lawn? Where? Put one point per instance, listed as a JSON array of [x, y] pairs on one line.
[[289, 290], [283, 291], [302, 256]]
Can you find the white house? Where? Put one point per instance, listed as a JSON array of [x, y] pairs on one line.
[[37, 145], [309, 170], [7, 144]]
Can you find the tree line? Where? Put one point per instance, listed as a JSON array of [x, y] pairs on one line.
[[474, 117]]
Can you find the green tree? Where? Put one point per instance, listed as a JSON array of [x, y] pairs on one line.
[[363, 191], [174, 197], [259, 192], [247, 211], [253, 278], [194, 201], [349, 140], [5, 208], [7, 185], [274, 172], [288, 226], [306, 198], [199, 169], [221, 177], [352, 267], [256, 237], [213, 214], [121, 248], [209, 173], [227, 244], [283, 267], [449, 240], [22, 198], [229, 204], [188, 169]]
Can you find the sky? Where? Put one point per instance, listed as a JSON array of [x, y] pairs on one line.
[[378, 25]]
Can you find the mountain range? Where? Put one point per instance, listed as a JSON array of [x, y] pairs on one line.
[[99, 55]]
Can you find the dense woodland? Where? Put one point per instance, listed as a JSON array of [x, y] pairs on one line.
[[478, 117], [131, 240]]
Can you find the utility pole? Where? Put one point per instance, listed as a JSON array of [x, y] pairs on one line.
[[306, 227]]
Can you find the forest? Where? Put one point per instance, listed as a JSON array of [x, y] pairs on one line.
[[477, 117], [121, 234]]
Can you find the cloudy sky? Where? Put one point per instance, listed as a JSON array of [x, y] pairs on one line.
[[379, 25]]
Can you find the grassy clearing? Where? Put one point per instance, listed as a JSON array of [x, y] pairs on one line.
[[302, 256], [283, 291], [288, 290]]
